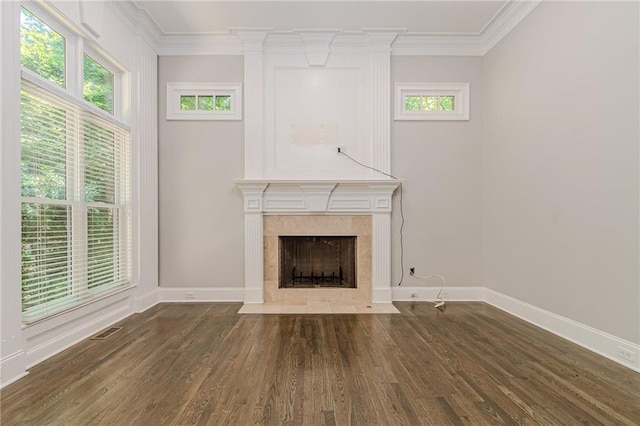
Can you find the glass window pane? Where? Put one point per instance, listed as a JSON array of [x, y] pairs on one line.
[[205, 103], [46, 253], [447, 103], [99, 164], [101, 256], [98, 84], [43, 138], [223, 103], [187, 103], [412, 103], [429, 103], [42, 50]]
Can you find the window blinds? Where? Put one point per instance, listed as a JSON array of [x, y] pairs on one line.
[[76, 230]]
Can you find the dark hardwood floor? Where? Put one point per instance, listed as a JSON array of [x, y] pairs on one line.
[[203, 364]]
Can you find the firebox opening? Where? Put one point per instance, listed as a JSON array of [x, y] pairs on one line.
[[317, 261]]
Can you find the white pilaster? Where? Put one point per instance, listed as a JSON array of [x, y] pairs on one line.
[[253, 103], [381, 99], [381, 257], [12, 353], [253, 242], [144, 147]]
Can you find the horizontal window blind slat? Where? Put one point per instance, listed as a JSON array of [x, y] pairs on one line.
[[76, 239]]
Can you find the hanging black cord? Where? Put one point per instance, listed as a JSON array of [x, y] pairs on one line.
[[401, 211]]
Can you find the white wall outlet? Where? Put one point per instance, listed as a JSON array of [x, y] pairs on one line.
[[189, 295], [414, 294], [627, 354]]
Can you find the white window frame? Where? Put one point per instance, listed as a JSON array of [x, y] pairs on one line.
[[117, 79], [177, 89], [460, 91], [73, 92]]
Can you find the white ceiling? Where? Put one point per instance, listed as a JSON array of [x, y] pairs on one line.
[[446, 17]]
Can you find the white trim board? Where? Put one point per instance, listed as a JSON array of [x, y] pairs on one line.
[[597, 341], [407, 43], [12, 368], [604, 344], [200, 294], [450, 294]]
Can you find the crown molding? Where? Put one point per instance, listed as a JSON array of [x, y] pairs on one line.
[[507, 19], [139, 21], [402, 44]]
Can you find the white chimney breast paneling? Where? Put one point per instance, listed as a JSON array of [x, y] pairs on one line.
[[296, 114]]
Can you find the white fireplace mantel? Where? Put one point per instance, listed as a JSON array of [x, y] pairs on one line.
[[300, 197], [313, 196]]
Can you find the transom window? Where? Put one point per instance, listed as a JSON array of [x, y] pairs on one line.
[[432, 101], [98, 84], [76, 230], [42, 49], [429, 103], [204, 101]]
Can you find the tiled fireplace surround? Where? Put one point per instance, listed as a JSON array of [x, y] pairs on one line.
[[360, 208], [277, 225]]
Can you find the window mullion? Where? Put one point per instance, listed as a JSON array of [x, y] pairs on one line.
[[75, 45], [79, 209]]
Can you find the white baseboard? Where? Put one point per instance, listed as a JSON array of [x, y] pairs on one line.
[[453, 294], [589, 338], [44, 341], [201, 294], [145, 301], [381, 295], [41, 346], [12, 368], [253, 295]]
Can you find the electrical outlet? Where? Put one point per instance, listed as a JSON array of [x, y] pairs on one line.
[[190, 295], [412, 270], [414, 294], [626, 353]]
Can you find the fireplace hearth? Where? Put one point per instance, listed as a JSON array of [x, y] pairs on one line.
[[317, 261]]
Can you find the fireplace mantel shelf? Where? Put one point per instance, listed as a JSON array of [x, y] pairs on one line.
[[314, 196]]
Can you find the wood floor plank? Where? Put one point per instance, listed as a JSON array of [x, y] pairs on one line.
[[203, 364]]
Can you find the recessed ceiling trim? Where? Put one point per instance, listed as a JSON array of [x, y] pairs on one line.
[[407, 43]]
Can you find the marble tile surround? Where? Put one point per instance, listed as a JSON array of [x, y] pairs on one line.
[[358, 225], [318, 308]]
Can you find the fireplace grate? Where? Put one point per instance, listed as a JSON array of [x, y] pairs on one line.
[[317, 261]]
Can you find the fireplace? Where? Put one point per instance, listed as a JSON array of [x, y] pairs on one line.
[[360, 209], [328, 228], [317, 261]]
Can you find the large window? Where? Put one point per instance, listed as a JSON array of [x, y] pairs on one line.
[[75, 175]]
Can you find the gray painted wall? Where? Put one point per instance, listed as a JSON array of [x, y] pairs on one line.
[[201, 212], [441, 162], [536, 196], [561, 164], [201, 228]]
